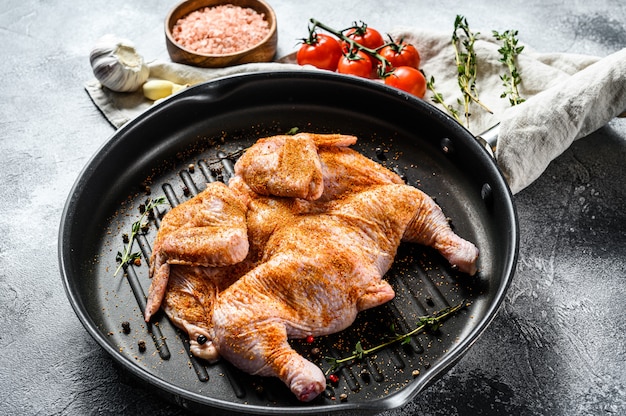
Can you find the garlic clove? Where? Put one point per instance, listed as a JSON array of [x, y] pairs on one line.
[[155, 89], [117, 65]]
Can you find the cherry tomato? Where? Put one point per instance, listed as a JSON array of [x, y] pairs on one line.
[[364, 36], [401, 54], [356, 63], [322, 51], [407, 79]]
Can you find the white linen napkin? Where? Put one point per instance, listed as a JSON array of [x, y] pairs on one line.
[[540, 129], [568, 96]]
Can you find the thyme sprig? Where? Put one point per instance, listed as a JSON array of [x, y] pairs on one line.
[[509, 52], [438, 98], [465, 58], [425, 323], [127, 256]]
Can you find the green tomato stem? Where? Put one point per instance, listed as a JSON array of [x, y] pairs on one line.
[[355, 45]]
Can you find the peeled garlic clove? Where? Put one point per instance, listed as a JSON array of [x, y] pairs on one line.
[[155, 89], [117, 65]]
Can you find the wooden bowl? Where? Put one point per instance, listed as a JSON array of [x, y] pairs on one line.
[[264, 51]]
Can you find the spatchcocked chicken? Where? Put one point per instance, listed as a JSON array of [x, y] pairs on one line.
[[296, 245]]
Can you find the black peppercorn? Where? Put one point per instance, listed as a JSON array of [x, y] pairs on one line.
[[380, 154], [365, 375]]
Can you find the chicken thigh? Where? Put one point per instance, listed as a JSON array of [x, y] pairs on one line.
[[189, 300]]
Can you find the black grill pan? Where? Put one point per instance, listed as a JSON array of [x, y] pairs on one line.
[[179, 145]]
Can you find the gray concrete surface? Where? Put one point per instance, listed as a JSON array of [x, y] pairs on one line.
[[558, 344]]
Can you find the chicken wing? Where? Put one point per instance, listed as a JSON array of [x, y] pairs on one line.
[[208, 230], [288, 166]]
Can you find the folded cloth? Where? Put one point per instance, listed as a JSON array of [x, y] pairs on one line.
[[567, 96], [537, 131]]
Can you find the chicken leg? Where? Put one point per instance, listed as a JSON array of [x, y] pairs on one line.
[[318, 271]]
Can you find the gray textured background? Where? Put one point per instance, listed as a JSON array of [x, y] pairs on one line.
[[557, 346]]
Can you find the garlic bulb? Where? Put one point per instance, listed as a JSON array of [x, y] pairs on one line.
[[117, 65]]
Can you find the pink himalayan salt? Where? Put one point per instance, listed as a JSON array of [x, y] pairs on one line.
[[220, 30]]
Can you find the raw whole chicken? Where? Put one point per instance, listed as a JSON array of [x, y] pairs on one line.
[[319, 241]]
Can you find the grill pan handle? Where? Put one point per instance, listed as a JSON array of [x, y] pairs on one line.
[[489, 139]]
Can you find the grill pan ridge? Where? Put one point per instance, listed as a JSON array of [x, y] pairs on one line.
[[195, 138]]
